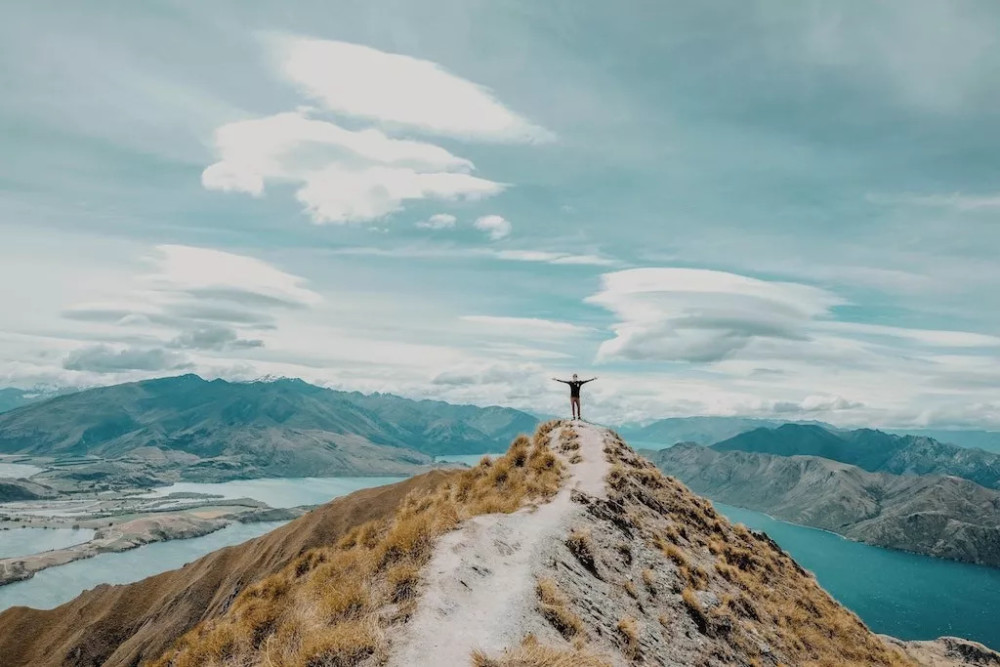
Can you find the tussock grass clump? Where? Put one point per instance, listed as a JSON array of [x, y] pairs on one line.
[[580, 545], [555, 608], [765, 598], [695, 609], [628, 630], [569, 440], [532, 654], [332, 606], [649, 579]]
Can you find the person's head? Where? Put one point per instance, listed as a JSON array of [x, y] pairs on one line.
[[575, 377]]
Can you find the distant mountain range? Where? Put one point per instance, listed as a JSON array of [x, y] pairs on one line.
[[218, 429], [940, 516], [701, 430], [710, 430], [872, 450]]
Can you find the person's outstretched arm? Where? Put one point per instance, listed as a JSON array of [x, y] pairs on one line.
[[563, 381], [590, 380]]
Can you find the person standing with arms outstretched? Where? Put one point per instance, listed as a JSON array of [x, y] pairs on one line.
[[574, 393]]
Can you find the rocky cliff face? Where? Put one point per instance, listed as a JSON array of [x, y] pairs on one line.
[[569, 550], [872, 450], [946, 517]]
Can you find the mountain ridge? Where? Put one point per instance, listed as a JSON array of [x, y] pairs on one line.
[[947, 517], [872, 450], [217, 430], [630, 568]]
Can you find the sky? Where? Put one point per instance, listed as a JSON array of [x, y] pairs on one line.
[[739, 207]]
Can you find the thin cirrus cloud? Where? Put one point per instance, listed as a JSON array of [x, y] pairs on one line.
[[347, 176], [397, 89], [438, 221], [703, 316], [956, 201], [555, 257], [190, 299]]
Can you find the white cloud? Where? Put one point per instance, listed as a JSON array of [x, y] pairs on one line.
[[344, 176], [340, 195], [701, 315], [188, 268], [495, 226], [286, 146], [396, 89], [931, 337], [438, 221], [194, 299]]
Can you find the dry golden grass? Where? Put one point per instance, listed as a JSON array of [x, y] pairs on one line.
[[555, 608], [695, 609], [628, 630], [332, 606], [764, 595], [649, 579], [532, 654], [569, 440], [580, 545]]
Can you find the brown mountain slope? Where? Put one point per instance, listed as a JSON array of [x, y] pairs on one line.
[[948, 517], [635, 571], [129, 624], [570, 550]]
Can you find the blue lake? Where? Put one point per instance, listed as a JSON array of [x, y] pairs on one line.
[[56, 585], [26, 541], [895, 593]]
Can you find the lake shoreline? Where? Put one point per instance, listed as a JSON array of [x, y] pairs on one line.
[[915, 597], [134, 533]]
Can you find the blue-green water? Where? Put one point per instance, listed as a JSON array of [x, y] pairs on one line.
[[54, 586], [895, 593], [50, 588], [27, 541]]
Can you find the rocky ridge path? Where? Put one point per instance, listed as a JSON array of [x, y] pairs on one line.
[[479, 587]]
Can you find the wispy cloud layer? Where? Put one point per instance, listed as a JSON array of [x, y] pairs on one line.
[[343, 176], [191, 299], [438, 221], [355, 176], [399, 90], [701, 315]]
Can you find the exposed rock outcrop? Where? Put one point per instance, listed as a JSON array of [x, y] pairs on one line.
[[939, 516]]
